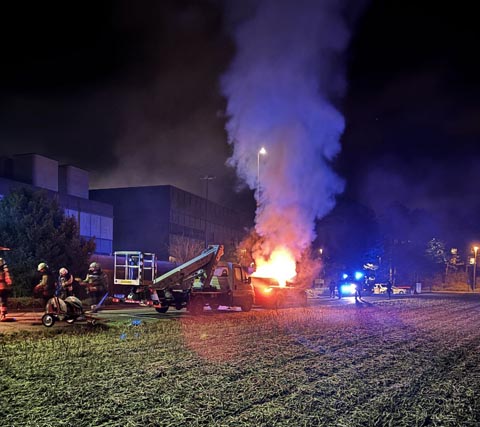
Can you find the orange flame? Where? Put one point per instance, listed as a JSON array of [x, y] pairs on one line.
[[280, 266]]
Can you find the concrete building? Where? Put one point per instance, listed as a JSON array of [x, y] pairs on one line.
[[151, 219], [147, 219], [70, 185]]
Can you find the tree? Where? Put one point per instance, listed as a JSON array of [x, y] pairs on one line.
[[36, 229], [436, 252], [183, 249]]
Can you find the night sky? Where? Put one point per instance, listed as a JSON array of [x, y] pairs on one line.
[[130, 92]]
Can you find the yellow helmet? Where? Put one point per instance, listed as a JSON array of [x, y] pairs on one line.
[[94, 266], [42, 266]]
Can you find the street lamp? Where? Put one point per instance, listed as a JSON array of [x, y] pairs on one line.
[[475, 251], [206, 178], [262, 151]]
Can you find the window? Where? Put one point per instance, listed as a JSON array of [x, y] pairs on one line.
[[238, 273]]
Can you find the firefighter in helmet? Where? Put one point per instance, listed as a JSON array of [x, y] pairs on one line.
[[96, 283], [65, 283], [47, 285], [5, 287]]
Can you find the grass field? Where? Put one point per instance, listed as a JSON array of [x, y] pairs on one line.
[[399, 362]]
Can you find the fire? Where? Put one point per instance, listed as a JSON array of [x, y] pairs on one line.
[[280, 266]]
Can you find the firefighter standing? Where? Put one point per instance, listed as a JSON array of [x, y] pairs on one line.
[[47, 286], [96, 283], [5, 287], [389, 288], [358, 290], [332, 287], [65, 283]]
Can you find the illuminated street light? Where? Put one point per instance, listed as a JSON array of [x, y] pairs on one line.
[[206, 178], [475, 251], [263, 152]]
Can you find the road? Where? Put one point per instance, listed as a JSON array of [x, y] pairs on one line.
[[31, 320]]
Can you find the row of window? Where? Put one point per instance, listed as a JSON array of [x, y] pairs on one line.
[[182, 219], [92, 224], [102, 246], [187, 232], [195, 204], [188, 221]]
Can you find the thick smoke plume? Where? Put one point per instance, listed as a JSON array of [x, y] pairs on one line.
[[280, 88]]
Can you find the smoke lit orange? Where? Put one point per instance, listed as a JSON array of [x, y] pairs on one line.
[[281, 266]]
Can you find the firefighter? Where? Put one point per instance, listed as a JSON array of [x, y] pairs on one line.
[[65, 283], [332, 287], [199, 280], [47, 286], [389, 287], [358, 290], [96, 283], [5, 287]]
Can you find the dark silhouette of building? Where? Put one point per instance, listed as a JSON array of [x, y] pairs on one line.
[[149, 218]]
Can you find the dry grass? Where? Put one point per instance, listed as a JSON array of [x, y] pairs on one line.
[[403, 362]]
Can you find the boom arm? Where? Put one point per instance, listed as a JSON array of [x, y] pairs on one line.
[[183, 275]]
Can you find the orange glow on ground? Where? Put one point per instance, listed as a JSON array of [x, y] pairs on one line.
[[280, 266]]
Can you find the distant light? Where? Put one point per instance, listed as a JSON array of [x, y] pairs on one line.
[[344, 276], [262, 151], [358, 275]]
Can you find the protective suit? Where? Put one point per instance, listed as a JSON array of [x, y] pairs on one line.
[[65, 283], [96, 282], [47, 286]]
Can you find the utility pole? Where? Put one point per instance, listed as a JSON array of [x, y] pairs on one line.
[[475, 251], [206, 178]]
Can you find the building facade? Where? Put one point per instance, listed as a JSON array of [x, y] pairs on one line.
[[153, 218], [69, 185]]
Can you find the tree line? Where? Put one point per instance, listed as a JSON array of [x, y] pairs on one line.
[[36, 229]]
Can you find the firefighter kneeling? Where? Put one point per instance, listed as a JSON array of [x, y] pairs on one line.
[[96, 283], [5, 287]]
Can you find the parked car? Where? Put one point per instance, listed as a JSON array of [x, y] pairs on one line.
[[380, 288]]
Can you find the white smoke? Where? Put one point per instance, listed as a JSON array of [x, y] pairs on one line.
[[279, 88]]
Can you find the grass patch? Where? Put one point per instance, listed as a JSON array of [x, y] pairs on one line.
[[409, 362]]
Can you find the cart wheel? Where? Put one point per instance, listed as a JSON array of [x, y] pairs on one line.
[[92, 322], [70, 320], [48, 320]]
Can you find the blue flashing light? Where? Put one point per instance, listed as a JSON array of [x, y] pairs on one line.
[[348, 289], [344, 276], [358, 275]]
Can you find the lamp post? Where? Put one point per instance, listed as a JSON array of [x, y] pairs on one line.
[[206, 178], [475, 251], [262, 151]]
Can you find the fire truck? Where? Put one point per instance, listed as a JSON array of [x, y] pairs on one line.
[[200, 282]]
